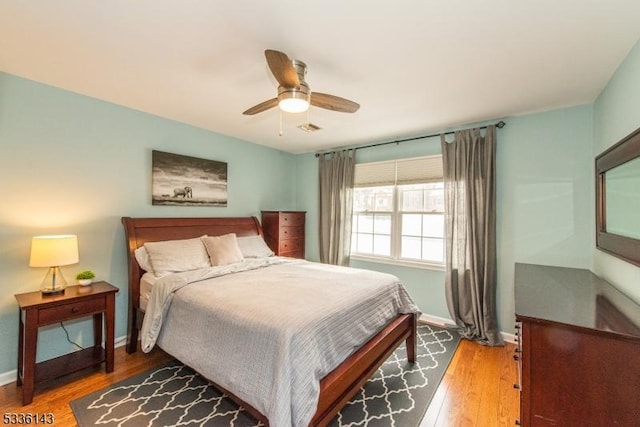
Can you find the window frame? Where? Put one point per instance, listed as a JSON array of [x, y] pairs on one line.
[[396, 230]]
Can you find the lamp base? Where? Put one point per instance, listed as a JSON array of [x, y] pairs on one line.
[[54, 282], [51, 292]]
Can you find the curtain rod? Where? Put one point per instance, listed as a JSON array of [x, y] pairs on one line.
[[499, 125]]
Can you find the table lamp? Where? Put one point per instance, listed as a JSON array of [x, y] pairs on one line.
[[52, 252]]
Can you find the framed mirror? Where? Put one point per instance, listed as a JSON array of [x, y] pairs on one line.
[[618, 199]]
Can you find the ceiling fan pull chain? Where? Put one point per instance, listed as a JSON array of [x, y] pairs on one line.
[[280, 133]]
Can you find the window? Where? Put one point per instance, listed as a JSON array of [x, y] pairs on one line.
[[398, 211]]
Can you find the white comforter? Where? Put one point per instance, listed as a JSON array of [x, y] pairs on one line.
[[269, 330]]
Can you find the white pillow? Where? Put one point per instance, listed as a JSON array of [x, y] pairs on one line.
[[142, 256], [175, 256], [223, 249], [254, 247]]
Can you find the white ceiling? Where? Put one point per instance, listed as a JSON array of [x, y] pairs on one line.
[[415, 66]]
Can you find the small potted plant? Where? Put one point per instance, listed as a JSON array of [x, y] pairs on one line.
[[85, 278]]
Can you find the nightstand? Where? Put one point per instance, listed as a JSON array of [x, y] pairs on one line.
[[36, 310]]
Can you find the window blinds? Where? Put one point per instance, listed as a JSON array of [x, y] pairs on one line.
[[416, 170]]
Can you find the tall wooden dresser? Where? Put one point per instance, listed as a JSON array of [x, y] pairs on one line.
[[579, 349], [284, 232]]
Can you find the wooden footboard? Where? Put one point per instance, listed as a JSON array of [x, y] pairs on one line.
[[340, 385]]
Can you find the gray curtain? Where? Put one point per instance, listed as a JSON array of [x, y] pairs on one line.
[[469, 166], [336, 200]]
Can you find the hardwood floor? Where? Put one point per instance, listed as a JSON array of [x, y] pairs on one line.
[[477, 389]]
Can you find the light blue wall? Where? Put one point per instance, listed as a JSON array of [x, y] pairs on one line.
[[73, 164], [544, 202], [616, 115], [544, 196]]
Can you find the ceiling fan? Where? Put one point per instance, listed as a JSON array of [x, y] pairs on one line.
[[294, 94]]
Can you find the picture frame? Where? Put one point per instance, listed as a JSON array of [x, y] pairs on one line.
[[179, 180]]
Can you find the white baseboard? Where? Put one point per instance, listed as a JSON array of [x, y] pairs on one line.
[[508, 337], [443, 321], [120, 341], [435, 320], [10, 376]]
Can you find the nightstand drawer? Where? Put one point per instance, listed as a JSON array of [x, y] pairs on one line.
[[291, 232], [69, 311], [291, 245]]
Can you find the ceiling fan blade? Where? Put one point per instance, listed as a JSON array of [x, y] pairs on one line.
[[282, 68], [263, 106], [334, 103]]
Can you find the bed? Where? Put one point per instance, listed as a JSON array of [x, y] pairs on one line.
[[335, 388]]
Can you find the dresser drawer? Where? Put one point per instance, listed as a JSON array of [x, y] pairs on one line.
[[293, 254], [293, 232], [290, 245], [68, 311], [288, 219]]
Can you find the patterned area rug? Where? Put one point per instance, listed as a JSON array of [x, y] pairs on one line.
[[174, 395]]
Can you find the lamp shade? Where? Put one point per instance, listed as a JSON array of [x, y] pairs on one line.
[[50, 251]]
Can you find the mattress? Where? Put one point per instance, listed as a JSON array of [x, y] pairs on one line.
[[146, 284]]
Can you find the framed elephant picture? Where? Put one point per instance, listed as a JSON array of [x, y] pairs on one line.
[[188, 181]]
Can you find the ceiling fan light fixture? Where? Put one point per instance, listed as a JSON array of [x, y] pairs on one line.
[[293, 105], [293, 99], [294, 95]]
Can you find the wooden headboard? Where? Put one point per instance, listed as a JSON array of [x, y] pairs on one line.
[[138, 231]]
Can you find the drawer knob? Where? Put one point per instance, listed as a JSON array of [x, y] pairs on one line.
[[74, 309]]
